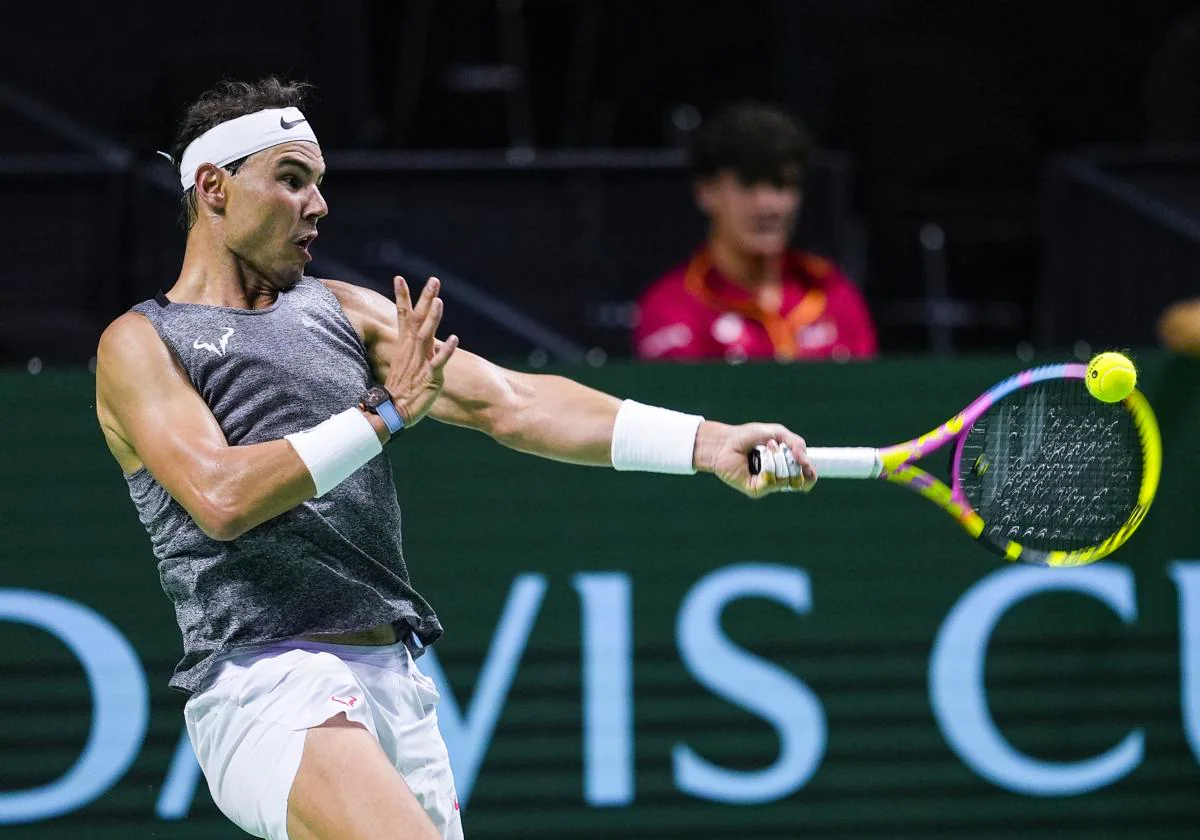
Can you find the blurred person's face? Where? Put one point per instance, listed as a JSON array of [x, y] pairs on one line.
[[754, 219], [272, 206]]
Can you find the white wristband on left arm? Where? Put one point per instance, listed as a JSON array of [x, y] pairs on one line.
[[652, 439]]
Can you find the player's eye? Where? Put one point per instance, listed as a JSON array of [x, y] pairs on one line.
[[292, 181]]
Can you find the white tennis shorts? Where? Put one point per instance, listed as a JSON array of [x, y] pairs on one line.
[[247, 726]]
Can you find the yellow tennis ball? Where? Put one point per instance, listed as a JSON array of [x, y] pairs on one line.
[[1110, 377]]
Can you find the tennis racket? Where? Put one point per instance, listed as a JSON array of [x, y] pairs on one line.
[[1040, 470]]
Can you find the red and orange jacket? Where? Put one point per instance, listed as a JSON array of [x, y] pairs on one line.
[[696, 313]]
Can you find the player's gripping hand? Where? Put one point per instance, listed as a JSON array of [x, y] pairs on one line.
[[725, 451], [415, 377]]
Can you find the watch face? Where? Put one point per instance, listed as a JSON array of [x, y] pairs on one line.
[[375, 397]]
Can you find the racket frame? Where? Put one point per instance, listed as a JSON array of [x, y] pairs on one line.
[[894, 464]]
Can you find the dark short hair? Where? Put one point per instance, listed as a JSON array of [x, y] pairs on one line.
[[756, 141], [226, 101]]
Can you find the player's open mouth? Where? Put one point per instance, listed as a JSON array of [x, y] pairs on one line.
[[305, 242]]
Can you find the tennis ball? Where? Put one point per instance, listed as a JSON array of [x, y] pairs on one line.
[[1110, 377]]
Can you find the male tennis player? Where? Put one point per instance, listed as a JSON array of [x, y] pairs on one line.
[[244, 410]]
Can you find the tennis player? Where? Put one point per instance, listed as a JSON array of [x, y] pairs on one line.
[[248, 408]]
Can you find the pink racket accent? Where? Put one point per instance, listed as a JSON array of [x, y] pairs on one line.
[[992, 396], [958, 425]]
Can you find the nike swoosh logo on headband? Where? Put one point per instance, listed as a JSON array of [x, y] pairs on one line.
[[284, 124]]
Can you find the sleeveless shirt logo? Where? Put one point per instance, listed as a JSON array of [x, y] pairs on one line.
[[212, 348]]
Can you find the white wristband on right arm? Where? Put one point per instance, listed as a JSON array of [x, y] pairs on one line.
[[653, 439], [336, 448]]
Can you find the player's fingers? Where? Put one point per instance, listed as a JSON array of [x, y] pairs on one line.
[[783, 435], [780, 469], [799, 450], [768, 468], [429, 294], [768, 448], [787, 481], [761, 466], [793, 468], [444, 352], [762, 458], [759, 485], [403, 301], [796, 478], [429, 324], [767, 434]]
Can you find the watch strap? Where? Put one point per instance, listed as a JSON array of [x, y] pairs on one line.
[[391, 416]]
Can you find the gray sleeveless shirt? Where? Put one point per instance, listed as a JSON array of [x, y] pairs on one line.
[[329, 565]]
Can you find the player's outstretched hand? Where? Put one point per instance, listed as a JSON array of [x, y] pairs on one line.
[[415, 378], [725, 451]]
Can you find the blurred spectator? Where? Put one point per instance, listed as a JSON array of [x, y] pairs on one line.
[[745, 294], [1179, 327]]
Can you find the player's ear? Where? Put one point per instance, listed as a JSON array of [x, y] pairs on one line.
[[210, 186]]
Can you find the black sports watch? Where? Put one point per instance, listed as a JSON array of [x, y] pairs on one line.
[[378, 401]]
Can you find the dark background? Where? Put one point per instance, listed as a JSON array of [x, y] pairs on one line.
[[529, 153]]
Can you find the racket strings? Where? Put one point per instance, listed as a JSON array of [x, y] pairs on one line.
[[1050, 467]]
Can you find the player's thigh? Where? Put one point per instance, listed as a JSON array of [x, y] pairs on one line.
[[346, 789]]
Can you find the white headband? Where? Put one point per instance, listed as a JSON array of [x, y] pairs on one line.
[[237, 138]]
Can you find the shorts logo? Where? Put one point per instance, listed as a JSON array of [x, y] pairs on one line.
[[345, 701], [212, 348]]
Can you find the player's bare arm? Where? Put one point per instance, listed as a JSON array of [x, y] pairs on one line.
[[555, 417], [153, 417]]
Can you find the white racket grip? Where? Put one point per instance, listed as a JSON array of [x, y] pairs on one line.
[[845, 461]]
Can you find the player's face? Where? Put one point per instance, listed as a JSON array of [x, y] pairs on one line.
[[272, 209], [754, 219]]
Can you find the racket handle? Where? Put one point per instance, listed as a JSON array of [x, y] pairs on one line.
[[833, 461]]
